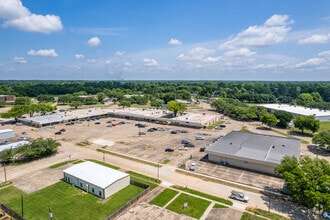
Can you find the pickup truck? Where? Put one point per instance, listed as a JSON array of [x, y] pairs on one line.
[[239, 196]]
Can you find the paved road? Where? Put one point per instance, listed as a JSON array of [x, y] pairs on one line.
[[166, 173]]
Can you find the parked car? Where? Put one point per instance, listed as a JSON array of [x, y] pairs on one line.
[[239, 196], [175, 132], [21, 139], [183, 148], [142, 133], [189, 144], [199, 137], [4, 143], [192, 167], [62, 130], [169, 150], [183, 131], [139, 125], [58, 132], [24, 133], [218, 127], [202, 149], [184, 141], [162, 129], [152, 129], [97, 123]]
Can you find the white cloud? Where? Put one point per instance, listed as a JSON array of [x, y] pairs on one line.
[[119, 53], [91, 61], [150, 62], [212, 59], [93, 42], [240, 52], [108, 61], [174, 42], [128, 64], [17, 16], [324, 53], [312, 62], [271, 32], [43, 53], [315, 39], [19, 60], [197, 53], [79, 56]]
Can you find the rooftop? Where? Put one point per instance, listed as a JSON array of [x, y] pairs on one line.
[[95, 174], [266, 148], [299, 110]]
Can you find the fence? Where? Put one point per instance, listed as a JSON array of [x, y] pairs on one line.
[[130, 203], [11, 212]]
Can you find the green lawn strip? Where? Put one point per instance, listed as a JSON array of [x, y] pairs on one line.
[[141, 176], [68, 202], [204, 195], [127, 157], [215, 124], [152, 185], [219, 206], [267, 214], [164, 197], [196, 206], [289, 136], [248, 216], [3, 184], [104, 164]]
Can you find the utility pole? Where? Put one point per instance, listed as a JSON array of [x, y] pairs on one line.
[[22, 205], [50, 213], [4, 169], [158, 171]]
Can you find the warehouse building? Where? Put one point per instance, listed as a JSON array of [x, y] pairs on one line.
[[256, 152], [321, 115], [6, 134], [96, 179]]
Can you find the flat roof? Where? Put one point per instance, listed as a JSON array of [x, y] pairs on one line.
[[266, 148], [6, 130], [299, 110], [13, 145], [95, 174]]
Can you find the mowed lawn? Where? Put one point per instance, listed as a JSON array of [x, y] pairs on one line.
[[196, 206], [66, 202], [164, 197]]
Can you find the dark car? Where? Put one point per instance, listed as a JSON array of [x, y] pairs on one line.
[[169, 150], [142, 133], [152, 129], [185, 141], [175, 132], [183, 131], [139, 125], [97, 123], [202, 149], [189, 144], [58, 133]]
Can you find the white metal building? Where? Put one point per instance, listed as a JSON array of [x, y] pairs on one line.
[[255, 152], [6, 133], [321, 115], [13, 145], [96, 179]]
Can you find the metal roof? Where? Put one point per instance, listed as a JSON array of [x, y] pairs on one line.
[[95, 174], [13, 145], [266, 148], [299, 110]]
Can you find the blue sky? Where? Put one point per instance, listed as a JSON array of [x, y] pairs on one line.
[[165, 40]]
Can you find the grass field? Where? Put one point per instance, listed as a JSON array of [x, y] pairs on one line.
[[164, 197], [324, 126], [196, 206], [248, 216], [66, 202]]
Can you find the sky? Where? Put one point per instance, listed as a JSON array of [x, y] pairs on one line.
[[268, 40]]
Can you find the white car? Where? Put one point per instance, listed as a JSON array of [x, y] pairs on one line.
[[326, 215], [192, 167], [198, 137]]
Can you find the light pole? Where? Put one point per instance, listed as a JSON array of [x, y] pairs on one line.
[[4, 169], [22, 205], [158, 171], [50, 213]]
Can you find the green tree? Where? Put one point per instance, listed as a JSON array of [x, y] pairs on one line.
[[308, 180], [101, 96], [2, 104], [125, 103], [269, 120], [156, 103], [304, 99], [306, 122], [76, 104], [22, 101], [176, 107], [283, 118], [322, 139]]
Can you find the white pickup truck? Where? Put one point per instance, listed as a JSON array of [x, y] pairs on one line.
[[239, 196]]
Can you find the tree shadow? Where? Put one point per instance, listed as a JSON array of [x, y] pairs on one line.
[[293, 210], [299, 134], [263, 128], [317, 150]]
